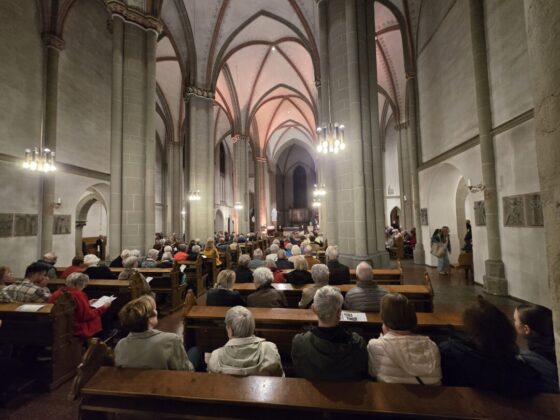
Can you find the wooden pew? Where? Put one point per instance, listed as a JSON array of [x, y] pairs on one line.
[[420, 295], [204, 325], [195, 274], [49, 330], [172, 394]]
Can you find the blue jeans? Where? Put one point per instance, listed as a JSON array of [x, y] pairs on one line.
[[443, 263]]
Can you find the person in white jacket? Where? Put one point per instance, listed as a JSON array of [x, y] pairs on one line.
[[398, 355], [244, 354]]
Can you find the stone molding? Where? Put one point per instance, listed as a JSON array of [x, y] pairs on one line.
[[52, 41], [194, 91], [401, 126], [261, 159], [240, 137], [119, 8]]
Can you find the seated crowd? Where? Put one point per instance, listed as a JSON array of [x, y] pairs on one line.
[[484, 356]]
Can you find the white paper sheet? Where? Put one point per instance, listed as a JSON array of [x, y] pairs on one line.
[[102, 301], [149, 279], [182, 268], [353, 316], [29, 308]]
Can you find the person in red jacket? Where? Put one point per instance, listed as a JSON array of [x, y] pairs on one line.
[[76, 267], [87, 320]]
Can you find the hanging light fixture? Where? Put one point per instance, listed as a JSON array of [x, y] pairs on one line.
[[238, 205], [319, 191], [194, 195], [316, 203], [39, 159], [331, 138]]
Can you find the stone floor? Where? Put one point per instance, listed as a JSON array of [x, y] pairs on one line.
[[453, 293]]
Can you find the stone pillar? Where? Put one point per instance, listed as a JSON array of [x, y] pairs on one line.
[[132, 207], [405, 176], [413, 156], [115, 206], [200, 167], [52, 48], [543, 32], [260, 192], [150, 141], [241, 181], [494, 279], [176, 201]]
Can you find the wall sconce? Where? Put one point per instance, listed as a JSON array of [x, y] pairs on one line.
[[475, 188], [57, 203]]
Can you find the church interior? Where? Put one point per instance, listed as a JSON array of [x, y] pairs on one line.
[[412, 144]]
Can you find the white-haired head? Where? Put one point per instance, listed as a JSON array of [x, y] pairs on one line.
[[320, 274], [300, 263], [50, 257], [281, 254], [152, 254], [167, 256], [258, 254], [296, 250], [244, 260], [364, 272], [196, 249], [167, 248], [240, 322], [274, 248], [135, 253], [226, 279], [308, 251], [262, 276], [327, 304], [77, 280], [131, 262], [91, 260], [331, 253]]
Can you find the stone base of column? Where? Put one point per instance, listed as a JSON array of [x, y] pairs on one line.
[[379, 259], [419, 255], [495, 282]]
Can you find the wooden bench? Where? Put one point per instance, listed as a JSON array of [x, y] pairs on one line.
[[196, 275], [175, 394], [420, 295], [204, 326], [50, 331]]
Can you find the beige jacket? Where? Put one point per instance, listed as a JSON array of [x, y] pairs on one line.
[[249, 356], [307, 295]]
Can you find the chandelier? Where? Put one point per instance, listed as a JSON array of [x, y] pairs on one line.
[[39, 159], [316, 203], [331, 138], [194, 195], [319, 191], [238, 206]]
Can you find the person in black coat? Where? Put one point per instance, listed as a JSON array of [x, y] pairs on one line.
[[338, 273], [222, 293], [243, 273], [94, 270], [300, 275], [282, 262], [487, 356]]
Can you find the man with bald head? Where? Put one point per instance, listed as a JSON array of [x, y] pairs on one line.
[[50, 259], [366, 296]]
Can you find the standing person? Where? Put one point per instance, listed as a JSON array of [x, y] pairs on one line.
[[441, 248], [468, 238], [210, 251]]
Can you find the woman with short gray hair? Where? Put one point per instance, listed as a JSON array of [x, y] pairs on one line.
[[151, 259], [130, 269], [87, 320], [95, 270], [300, 275], [243, 273], [244, 354], [223, 294], [296, 250], [320, 275], [265, 296], [258, 259]]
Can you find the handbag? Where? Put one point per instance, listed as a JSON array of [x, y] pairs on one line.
[[438, 249]]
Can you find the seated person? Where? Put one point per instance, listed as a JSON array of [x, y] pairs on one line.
[[243, 273], [398, 355], [145, 347], [117, 262], [329, 352], [296, 252], [486, 357], [194, 253], [320, 275], [258, 259], [300, 275], [339, 273], [76, 267], [288, 249], [32, 289], [131, 268], [244, 354], [223, 294], [181, 254], [278, 274], [273, 255], [282, 262], [151, 259], [210, 251], [96, 271], [265, 296], [6, 276], [311, 260], [166, 260], [534, 323], [87, 320], [366, 296], [50, 259]]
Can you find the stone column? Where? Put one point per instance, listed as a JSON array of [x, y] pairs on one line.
[[176, 197], [115, 206], [150, 141], [200, 167], [543, 32], [260, 192], [52, 48], [241, 181], [413, 156], [494, 279], [405, 175]]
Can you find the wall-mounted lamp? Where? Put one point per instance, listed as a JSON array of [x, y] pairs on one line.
[[475, 188], [183, 212], [57, 203]]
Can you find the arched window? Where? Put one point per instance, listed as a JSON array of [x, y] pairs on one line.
[[222, 160], [300, 188]]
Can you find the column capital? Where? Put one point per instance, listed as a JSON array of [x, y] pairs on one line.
[[401, 126], [410, 75], [317, 83], [132, 15], [197, 92], [51, 40], [240, 137], [261, 159]]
